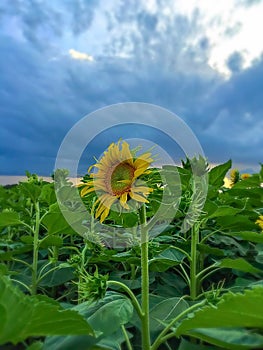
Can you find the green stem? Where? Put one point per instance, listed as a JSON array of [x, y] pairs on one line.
[[133, 272], [146, 341], [211, 267], [193, 263], [128, 343], [162, 337], [131, 295], [35, 250]]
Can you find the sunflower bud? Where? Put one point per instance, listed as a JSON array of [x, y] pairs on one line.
[[92, 287]]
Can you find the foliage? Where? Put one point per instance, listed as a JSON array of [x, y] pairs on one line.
[[62, 290]]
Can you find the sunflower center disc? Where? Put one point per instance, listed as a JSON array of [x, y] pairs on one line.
[[121, 178]]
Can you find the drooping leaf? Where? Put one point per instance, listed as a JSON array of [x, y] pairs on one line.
[[247, 236], [105, 316], [218, 173], [227, 338], [169, 257], [224, 210], [23, 316], [238, 264], [9, 218], [234, 310]]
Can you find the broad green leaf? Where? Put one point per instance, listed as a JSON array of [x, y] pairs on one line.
[[107, 319], [55, 221], [187, 345], [165, 311], [57, 277], [105, 316], [113, 342], [227, 338], [51, 240], [30, 190], [234, 310], [23, 316], [9, 218], [70, 342], [204, 248], [236, 222], [250, 182], [48, 194], [247, 236], [169, 257], [238, 264], [224, 211], [218, 173]]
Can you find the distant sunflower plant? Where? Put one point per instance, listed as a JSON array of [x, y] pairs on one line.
[[115, 179]]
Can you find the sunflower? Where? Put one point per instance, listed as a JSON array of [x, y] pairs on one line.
[[116, 178], [245, 176], [260, 221]]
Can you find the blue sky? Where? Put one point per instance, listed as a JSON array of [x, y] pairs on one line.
[[63, 59]]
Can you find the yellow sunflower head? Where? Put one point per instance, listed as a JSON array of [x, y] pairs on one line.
[[116, 178], [245, 176], [260, 222]]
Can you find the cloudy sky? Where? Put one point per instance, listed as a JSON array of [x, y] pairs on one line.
[[63, 59]]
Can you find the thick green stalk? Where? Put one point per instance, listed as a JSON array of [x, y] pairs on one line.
[[35, 250], [146, 341], [193, 264]]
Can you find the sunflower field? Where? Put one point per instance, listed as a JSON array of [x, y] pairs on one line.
[[135, 257]]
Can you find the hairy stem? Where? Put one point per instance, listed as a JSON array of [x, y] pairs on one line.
[[146, 342]]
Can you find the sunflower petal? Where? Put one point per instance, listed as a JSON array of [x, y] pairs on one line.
[[137, 197], [123, 200], [86, 190], [126, 153]]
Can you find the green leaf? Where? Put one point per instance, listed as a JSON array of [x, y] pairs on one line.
[[165, 311], [234, 310], [49, 241], [236, 339], [204, 248], [236, 222], [111, 316], [55, 221], [187, 345], [57, 277], [23, 316], [224, 210], [9, 218], [48, 194], [35, 346], [30, 190], [105, 316], [238, 264], [247, 236], [218, 173], [167, 258]]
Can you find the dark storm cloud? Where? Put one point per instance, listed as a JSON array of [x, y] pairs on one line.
[[43, 93], [40, 20]]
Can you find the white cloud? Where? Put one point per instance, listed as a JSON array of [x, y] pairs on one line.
[[218, 17], [77, 55]]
